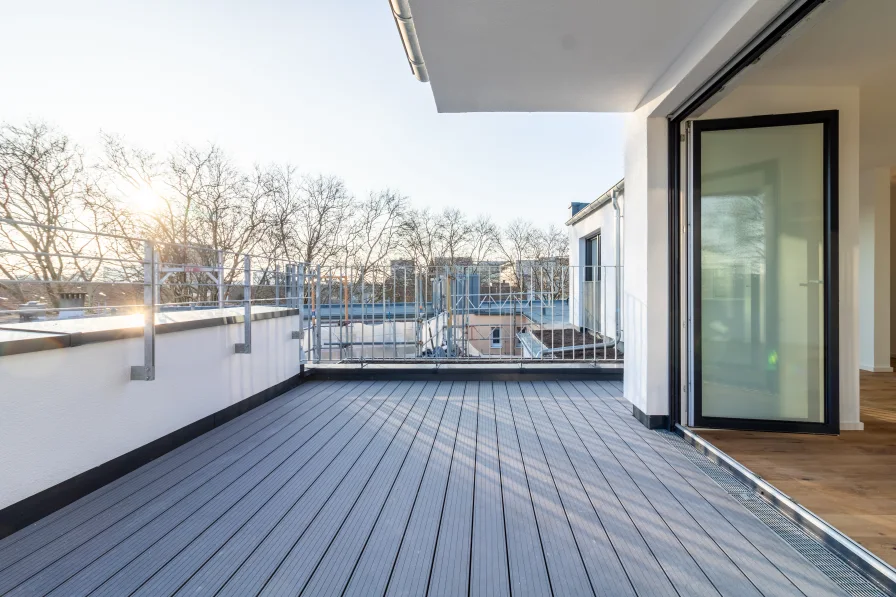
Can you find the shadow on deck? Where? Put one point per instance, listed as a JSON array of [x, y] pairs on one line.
[[415, 488]]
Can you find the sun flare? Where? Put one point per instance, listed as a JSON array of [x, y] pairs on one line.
[[144, 200]]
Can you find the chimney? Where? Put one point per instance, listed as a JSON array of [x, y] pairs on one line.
[[575, 208], [72, 303]]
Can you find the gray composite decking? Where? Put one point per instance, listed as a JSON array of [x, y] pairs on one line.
[[414, 488]]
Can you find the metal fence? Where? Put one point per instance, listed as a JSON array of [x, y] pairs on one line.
[[535, 310], [88, 275], [472, 313]]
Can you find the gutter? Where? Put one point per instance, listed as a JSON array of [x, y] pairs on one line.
[[401, 12], [595, 205], [853, 553], [618, 290]]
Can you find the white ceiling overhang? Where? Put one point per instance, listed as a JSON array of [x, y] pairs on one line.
[[554, 55]]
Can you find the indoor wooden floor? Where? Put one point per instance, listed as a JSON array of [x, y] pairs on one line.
[[847, 480]]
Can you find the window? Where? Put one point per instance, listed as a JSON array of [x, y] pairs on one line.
[[496, 337], [592, 258]]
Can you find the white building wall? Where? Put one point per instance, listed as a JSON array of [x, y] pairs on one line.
[[646, 299], [604, 221], [68, 410], [874, 270], [892, 275], [758, 100]]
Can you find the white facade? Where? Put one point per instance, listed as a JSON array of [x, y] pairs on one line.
[[68, 410], [835, 56], [597, 218]]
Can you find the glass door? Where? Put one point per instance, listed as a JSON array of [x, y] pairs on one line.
[[764, 282]]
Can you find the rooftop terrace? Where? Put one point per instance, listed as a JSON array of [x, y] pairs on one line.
[[415, 488]]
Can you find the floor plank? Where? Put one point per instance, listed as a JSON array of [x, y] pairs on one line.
[[169, 563], [569, 575], [451, 568], [489, 573], [527, 563], [371, 572], [463, 488], [411, 569]]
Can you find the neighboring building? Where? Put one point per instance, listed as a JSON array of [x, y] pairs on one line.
[[456, 261], [759, 142], [402, 267], [596, 275]]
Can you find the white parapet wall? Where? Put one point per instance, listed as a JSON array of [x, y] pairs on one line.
[[67, 410]]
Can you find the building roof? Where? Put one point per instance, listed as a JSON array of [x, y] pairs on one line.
[[595, 205]]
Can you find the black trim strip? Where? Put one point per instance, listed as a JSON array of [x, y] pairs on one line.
[[31, 509], [650, 421], [675, 364], [468, 374]]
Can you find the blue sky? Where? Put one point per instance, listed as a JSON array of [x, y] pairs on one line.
[[323, 85]]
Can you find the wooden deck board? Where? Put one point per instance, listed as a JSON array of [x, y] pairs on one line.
[[479, 488]]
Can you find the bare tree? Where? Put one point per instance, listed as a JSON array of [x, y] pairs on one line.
[[286, 210], [419, 236], [43, 181], [550, 257], [484, 237], [549, 243], [371, 236], [206, 204], [326, 203], [515, 246], [453, 235]]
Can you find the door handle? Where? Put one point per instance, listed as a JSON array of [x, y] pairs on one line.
[[807, 282]]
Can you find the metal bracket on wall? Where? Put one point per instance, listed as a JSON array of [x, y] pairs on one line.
[[245, 347], [147, 371]]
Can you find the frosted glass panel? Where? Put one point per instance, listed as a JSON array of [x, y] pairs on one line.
[[761, 286]]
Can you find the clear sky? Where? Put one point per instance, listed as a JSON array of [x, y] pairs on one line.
[[321, 84]]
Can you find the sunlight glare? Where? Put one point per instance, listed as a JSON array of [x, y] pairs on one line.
[[144, 200]]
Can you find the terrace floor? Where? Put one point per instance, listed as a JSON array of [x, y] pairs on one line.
[[414, 488]]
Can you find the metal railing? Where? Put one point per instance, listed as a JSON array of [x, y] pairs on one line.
[[527, 311], [89, 275], [472, 313]]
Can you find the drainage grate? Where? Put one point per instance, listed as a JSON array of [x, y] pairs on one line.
[[833, 566]]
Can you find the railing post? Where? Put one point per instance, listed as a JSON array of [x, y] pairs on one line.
[[220, 266], [246, 346], [299, 274], [157, 277], [277, 284], [317, 328], [147, 371], [418, 315]]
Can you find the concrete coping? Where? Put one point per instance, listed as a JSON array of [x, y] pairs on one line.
[[35, 336]]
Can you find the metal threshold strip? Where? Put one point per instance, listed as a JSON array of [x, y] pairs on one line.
[[865, 562]]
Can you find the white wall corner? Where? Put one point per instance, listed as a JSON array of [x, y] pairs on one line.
[[874, 269], [852, 426], [646, 263]]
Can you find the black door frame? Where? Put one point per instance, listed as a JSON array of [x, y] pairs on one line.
[[764, 41], [830, 120]]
